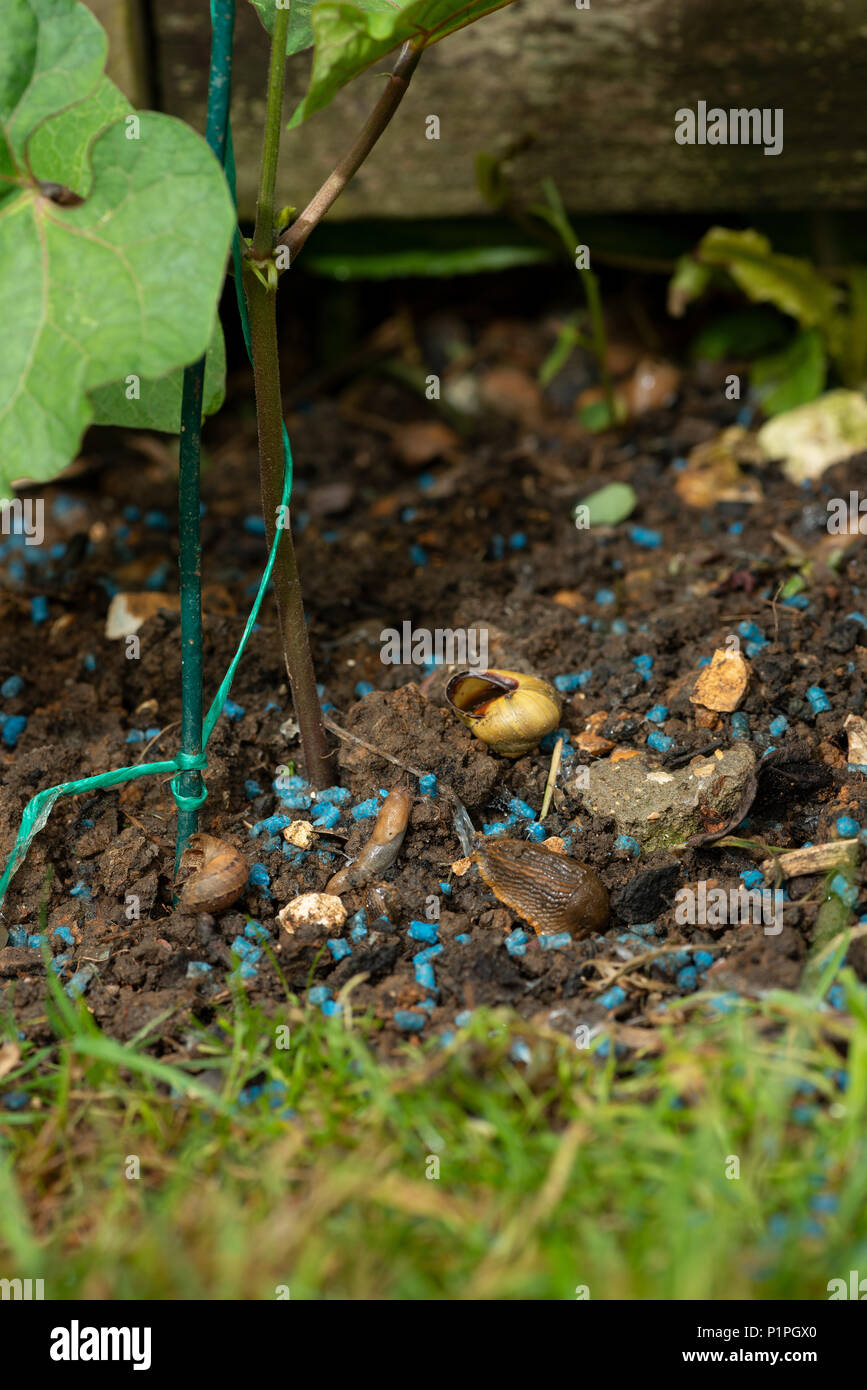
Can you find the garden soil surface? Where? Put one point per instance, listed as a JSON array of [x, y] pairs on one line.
[[465, 523]]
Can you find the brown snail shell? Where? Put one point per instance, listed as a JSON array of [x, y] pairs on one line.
[[551, 891], [218, 874], [508, 710]]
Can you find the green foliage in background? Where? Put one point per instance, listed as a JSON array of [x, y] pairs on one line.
[[829, 307], [114, 232]]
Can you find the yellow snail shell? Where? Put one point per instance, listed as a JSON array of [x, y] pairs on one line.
[[507, 710], [218, 878]]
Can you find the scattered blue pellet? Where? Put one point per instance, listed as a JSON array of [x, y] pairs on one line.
[[555, 941], [79, 982], [687, 978], [702, 960], [846, 892], [536, 831], [445, 888], [517, 541], [423, 931], [740, 725], [627, 843], [365, 810], [339, 948], [778, 726], [612, 997], [643, 664], [604, 597], [331, 1008], [327, 816], [464, 938], [198, 969], [363, 688], [37, 940], [426, 481], [520, 1052], [254, 525], [620, 627], [643, 928], [337, 796], [80, 890], [429, 1004], [252, 789], [424, 974], [256, 932], [463, 1018], [847, 827], [427, 784], [644, 536], [271, 825], [90, 662], [520, 809], [16, 1100], [294, 800], [135, 736], [409, 1022], [753, 878], [247, 950], [12, 686], [818, 699], [39, 609], [796, 601], [59, 963], [13, 727], [429, 953], [64, 934], [659, 741], [516, 943], [657, 714], [233, 711], [497, 827], [572, 680], [156, 521], [318, 994], [418, 555], [359, 931], [260, 878]]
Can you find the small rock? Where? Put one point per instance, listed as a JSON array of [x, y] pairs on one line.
[[316, 909], [300, 833], [722, 685], [127, 612], [661, 808], [418, 442]]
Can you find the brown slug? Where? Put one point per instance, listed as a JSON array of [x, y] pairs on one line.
[[551, 891], [218, 878], [382, 848]]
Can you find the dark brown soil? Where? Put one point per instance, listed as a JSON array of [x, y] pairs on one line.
[[515, 472]]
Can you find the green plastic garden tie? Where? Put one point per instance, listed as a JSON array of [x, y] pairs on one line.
[[40, 806]]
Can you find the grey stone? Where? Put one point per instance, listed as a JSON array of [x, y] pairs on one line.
[[661, 808]]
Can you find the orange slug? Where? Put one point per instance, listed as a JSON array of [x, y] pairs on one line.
[[551, 891]]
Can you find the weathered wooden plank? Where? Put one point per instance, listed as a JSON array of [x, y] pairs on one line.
[[594, 93]]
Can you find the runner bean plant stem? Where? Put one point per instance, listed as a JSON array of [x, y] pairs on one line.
[[261, 296], [260, 286]]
